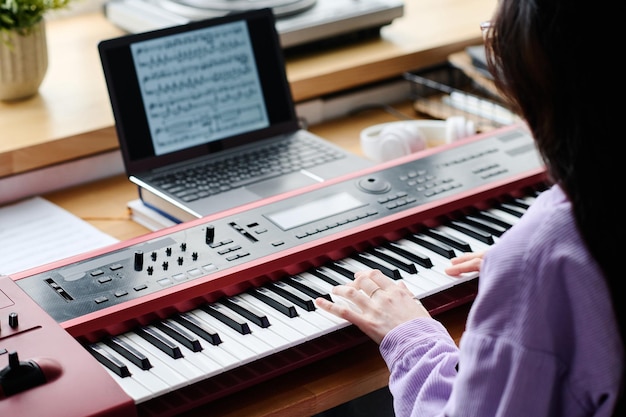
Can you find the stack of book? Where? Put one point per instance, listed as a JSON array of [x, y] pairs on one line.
[[147, 217]]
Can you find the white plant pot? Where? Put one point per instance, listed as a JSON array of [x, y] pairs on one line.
[[23, 63]]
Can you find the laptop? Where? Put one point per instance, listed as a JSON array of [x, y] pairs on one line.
[[206, 120]]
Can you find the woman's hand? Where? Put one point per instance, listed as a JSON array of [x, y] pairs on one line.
[[381, 304], [467, 262]]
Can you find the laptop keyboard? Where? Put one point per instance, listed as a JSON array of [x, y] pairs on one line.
[[240, 170]]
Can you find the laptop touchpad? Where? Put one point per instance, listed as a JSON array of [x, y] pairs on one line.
[[281, 184]]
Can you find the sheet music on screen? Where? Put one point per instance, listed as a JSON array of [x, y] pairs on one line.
[[199, 86]]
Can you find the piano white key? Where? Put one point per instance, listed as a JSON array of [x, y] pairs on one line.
[[505, 215], [203, 361], [132, 387], [221, 355]]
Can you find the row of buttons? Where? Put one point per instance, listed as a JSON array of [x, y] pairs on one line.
[[164, 282], [320, 229]]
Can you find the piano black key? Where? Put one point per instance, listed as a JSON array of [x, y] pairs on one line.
[[391, 273], [413, 256], [174, 371], [251, 314], [243, 347], [448, 239], [162, 343], [129, 352], [108, 360], [196, 326], [341, 270], [433, 245], [520, 203], [472, 231], [321, 275], [485, 225], [292, 295], [405, 266], [178, 333], [224, 316], [271, 300], [511, 209], [494, 218], [306, 287], [476, 245], [290, 329]]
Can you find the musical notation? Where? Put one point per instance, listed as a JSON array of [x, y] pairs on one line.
[[199, 86]]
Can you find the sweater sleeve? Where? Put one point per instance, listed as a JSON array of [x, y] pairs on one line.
[[496, 380], [422, 358]]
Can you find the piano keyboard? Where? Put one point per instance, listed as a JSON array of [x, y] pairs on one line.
[[216, 337], [183, 316]]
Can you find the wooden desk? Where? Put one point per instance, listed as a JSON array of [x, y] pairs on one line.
[[302, 392], [71, 118]]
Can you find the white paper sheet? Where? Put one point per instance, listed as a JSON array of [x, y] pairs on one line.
[[34, 232]]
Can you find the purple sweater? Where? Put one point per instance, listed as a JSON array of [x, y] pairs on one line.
[[540, 340]]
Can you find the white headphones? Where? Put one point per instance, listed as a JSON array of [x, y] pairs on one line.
[[386, 141]]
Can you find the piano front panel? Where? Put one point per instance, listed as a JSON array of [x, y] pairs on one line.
[[191, 313]]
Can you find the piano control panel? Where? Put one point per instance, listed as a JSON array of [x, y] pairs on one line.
[[207, 246]]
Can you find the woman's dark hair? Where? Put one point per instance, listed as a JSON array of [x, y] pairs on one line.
[[554, 60]]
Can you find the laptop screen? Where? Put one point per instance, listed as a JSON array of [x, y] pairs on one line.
[[191, 90]]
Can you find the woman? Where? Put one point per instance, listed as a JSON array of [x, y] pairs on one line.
[[544, 336]]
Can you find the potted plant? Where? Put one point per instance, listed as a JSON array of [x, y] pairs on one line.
[[23, 47]]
